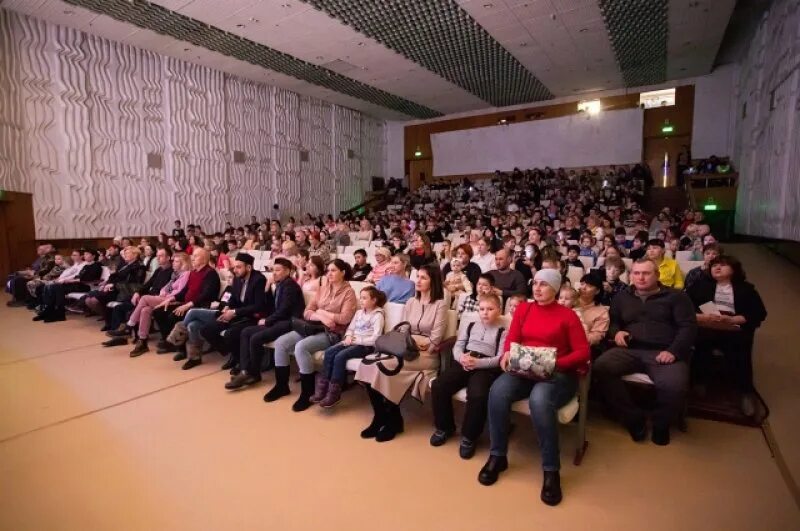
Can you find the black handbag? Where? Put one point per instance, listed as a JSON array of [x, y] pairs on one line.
[[398, 344], [306, 328]]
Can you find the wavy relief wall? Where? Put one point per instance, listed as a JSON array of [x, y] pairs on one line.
[[768, 143], [373, 147], [250, 130], [80, 114]]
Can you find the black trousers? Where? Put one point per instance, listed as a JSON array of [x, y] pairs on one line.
[[54, 295], [738, 350], [478, 383], [166, 320], [671, 383], [229, 343], [118, 314], [251, 344], [19, 288]]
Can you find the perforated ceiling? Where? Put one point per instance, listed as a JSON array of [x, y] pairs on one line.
[[638, 31], [445, 39], [166, 22]]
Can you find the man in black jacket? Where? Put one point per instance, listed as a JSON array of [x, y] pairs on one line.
[[238, 305], [286, 302], [54, 295], [120, 330], [654, 328], [244, 305]]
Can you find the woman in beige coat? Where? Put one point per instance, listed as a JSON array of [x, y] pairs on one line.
[[427, 314]]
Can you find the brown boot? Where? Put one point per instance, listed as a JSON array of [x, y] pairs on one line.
[[333, 396], [321, 389], [139, 348]]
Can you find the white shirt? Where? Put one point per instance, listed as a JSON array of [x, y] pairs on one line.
[[71, 272], [485, 262], [723, 298]]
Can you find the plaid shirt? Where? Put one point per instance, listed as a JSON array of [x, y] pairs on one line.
[[469, 304]]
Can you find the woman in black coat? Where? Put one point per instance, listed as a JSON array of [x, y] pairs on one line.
[[741, 312]]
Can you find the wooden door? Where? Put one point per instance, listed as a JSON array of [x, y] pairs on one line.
[[420, 172], [17, 232]]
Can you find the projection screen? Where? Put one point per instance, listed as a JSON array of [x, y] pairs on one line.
[[611, 137]]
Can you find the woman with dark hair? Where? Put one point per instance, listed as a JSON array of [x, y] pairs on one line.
[[728, 324], [421, 252], [426, 312], [464, 253], [333, 307], [313, 274], [594, 316]]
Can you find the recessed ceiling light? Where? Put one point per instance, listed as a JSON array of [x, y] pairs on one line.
[[240, 25], [361, 44], [583, 30], [523, 44], [488, 6], [186, 49], [320, 58], [254, 19], [286, 5], [69, 12]]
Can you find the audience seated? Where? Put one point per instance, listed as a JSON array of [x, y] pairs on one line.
[[17, 283], [126, 280], [593, 315], [701, 273], [471, 269], [542, 323], [507, 281], [325, 320], [361, 268], [54, 295], [426, 313], [395, 283], [284, 302], [201, 289], [653, 328], [358, 341], [477, 354], [483, 256], [729, 310]]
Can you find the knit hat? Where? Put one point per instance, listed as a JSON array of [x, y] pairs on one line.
[[551, 276]]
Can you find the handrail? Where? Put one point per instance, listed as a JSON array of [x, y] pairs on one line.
[[381, 196]]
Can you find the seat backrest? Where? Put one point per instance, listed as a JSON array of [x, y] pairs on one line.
[[689, 265], [574, 275], [587, 262], [628, 263], [106, 272], [393, 312], [683, 256], [308, 297], [358, 286], [452, 324]]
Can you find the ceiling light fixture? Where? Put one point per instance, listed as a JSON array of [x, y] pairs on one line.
[[591, 107], [583, 30], [240, 25], [254, 19], [488, 6], [418, 152]]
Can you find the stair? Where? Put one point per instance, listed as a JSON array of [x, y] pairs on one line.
[[671, 196]]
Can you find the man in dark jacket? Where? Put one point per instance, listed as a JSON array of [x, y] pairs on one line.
[[54, 295], [118, 328], [286, 302], [654, 328], [200, 291], [242, 305]]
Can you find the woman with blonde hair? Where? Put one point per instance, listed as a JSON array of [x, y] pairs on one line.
[[143, 312], [121, 284]]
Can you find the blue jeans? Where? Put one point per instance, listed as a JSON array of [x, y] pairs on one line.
[[544, 399], [303, 349], [337, 356], [195, 320]]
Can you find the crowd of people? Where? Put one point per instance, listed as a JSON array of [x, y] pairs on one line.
[[496, 252]]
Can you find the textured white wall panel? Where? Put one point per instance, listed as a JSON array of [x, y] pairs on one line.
[[767, 152], [79, 115]]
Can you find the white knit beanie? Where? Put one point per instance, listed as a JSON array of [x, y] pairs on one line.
[[551, 276]]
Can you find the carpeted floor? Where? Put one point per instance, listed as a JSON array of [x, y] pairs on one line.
[[91, 439]]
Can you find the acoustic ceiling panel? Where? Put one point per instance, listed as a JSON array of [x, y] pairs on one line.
[[638, 31], [445, 39], [166, 22]]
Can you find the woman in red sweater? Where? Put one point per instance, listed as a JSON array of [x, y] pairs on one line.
[[543, 323]]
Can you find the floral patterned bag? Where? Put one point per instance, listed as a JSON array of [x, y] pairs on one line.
[[535, 363]]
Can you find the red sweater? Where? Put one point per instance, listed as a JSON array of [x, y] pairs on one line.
[[551, 325]]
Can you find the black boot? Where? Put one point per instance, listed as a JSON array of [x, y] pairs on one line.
[[378, 414], [281, 387], [551, 488], [307, 384], [58, 314], [492, 469], [394, 422], [230, 363]]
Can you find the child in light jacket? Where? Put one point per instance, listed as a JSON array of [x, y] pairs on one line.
[[358, 341]]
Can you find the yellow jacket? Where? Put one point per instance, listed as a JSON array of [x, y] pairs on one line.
[[670, 274]]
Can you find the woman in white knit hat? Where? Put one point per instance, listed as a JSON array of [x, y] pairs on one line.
[[543, 323]]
